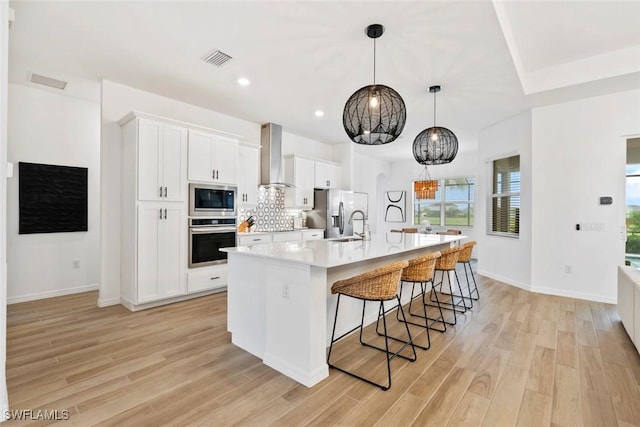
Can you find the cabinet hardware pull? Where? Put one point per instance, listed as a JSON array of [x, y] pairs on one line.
[[160, 192], [213, 174], [328, 183], [214, 278], [165, 214], [160, 213], [257, 240], [165, 192], [217, 173]]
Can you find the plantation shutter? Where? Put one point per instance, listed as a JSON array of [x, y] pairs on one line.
[[505, 206]]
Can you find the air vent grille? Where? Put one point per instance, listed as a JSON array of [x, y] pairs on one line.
[[48, 81], [217, 58]]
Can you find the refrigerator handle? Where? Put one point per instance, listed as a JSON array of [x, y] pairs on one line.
[[341, 218]]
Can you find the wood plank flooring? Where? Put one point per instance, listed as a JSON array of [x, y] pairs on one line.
[[515, 359]]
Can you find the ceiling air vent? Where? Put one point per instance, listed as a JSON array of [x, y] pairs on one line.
[[48, 81], [217, 58]]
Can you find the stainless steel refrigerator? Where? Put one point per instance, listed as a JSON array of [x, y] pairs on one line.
[[332, 209]]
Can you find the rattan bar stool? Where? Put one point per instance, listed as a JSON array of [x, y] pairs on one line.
[[380, 285], [465, 260], [445, 265], [420, 272]]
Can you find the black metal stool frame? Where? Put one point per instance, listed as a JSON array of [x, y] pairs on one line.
[[475, 285], [389, 355], [451, 306]]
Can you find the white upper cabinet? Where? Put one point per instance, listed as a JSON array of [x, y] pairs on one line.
[[212, 158], [299, 172], [162, 152], [327, 175], [249, 177]]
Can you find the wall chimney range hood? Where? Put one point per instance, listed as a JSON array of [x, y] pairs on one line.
[[272, 171]]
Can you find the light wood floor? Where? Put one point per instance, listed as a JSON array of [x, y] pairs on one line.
[[516, 359]]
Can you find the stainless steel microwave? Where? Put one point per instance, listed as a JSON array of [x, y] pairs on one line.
[[212, 200]]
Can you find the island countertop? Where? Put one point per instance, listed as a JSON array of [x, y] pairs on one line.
[[330, 253]]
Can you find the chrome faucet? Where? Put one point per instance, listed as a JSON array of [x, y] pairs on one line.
[[365, 235]]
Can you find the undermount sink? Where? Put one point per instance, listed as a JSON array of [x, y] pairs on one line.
[[347, 239]]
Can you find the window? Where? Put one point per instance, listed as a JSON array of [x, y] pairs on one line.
[[505, 197], [451, 207]]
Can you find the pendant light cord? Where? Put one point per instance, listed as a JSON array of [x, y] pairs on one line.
[[374, 61], [434, 109]]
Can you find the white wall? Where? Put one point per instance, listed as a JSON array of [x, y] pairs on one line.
[[504, 258], [404, 172], [51, 128], [4, 49], [368, 174], [579, 154], [294, 144]]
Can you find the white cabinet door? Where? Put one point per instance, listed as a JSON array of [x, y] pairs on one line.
[[161, 161], [212, 158], [327, 175], [300, 172], [249, 177], [201, 149], [161, 251], [225, 160], [149, 160], [174, 163], [171, 251], [148, 287]]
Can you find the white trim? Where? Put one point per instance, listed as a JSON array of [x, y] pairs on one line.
[[106, 302], [572, 294], [505, 280], [304, 378], [137, 307], [138, 114], [51, 294]]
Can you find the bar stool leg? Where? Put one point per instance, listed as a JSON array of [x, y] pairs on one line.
[[475, 285]]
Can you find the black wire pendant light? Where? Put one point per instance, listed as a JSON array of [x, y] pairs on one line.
[[435, 145], [374, 114]]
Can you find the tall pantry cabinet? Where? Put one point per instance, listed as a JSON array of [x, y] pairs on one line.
[[153, 210]]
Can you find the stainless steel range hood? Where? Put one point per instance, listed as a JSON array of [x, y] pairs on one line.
[[272, 170]]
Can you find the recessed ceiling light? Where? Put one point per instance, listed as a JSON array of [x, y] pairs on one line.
[[319, 113], [243, 81]]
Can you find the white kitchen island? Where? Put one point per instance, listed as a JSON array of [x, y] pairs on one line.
[[279, 301]]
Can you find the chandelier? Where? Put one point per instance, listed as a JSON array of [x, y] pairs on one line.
[[374, 114], [425, 187]]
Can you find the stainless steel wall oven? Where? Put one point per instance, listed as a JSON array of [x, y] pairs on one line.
[[206, 237]]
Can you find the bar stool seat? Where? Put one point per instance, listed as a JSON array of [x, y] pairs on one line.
[[421, 271], [465, 260], [380, 285]]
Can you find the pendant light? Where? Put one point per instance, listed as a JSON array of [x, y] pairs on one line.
[[435, 145], [374, 114], [424, 186]]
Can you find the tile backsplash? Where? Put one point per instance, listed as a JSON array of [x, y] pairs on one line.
[[269, 213]]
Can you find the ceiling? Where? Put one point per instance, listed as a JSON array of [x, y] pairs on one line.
[[492, 59]]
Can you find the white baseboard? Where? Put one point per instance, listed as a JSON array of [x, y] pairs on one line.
[[549, 291], [572, 294], [106, 302], [51, 294], [137, 307], [505, 280]]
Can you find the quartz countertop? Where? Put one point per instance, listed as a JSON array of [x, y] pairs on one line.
[[295, 230], [329, 253]]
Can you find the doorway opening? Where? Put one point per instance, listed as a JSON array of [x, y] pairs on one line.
[[632, 203]]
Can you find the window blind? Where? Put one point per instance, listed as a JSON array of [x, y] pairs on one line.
[[505, 197]]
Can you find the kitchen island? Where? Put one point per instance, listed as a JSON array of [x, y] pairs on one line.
[[279, 302]]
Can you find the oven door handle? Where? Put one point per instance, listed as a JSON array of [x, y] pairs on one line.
[[209, 230]]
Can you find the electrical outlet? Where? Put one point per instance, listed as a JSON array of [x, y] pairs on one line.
[[285, 291], [76, 263], [568, 269]]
